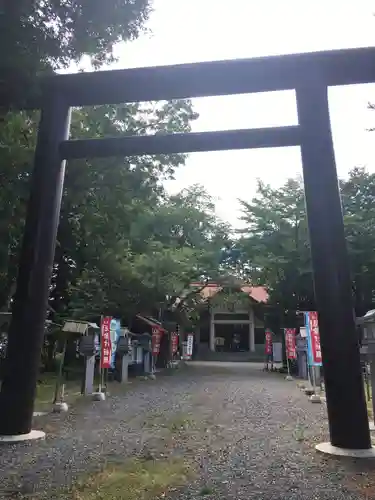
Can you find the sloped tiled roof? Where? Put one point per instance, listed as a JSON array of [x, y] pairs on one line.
[[257, 293]]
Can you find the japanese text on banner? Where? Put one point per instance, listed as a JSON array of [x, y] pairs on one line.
[[290, 343], [174, 342], [105, 342], [156, 338], [313, 338], [268, 343], [190, 343]]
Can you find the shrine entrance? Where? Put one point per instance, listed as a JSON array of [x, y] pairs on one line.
[[309, 75], [232, 336]]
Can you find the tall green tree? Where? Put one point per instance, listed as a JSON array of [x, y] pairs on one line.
[[104, 199], [17, 142], [123, 243], [358, 197], [274, 243], [155, 265], [39, 36]]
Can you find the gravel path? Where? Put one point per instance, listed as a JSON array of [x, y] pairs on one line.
[[250, 435]]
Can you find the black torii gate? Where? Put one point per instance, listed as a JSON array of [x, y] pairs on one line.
[[309, 75]]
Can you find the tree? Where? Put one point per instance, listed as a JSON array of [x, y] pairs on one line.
[[106, 200], [274, 244], [40, 36], [358, 197], [123, 243], [17, 140], [157, 266]]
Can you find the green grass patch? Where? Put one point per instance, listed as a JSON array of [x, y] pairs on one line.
[[369, 402], [134, 480], [45, 391], [180, 422], [205, 491]]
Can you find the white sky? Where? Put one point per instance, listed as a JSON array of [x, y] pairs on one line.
[[203, 30]]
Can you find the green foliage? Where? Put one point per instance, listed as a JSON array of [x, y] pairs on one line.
[[17, 142], [41, 36], [274, 245], [230, 299], [275, 250], [124, 245], [358, 196]]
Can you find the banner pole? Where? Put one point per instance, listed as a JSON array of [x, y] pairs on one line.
[[314, 398], [106, 380], [313, 379], [288, 377], [101, 354]]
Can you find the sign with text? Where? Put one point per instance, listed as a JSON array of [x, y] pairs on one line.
[[174, 342], [189, 347], [156, 338], [115, 332], [268, 343], [290, 343], [105, 342], [313, 338]]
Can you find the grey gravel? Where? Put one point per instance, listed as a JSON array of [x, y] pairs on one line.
[[251, 435]]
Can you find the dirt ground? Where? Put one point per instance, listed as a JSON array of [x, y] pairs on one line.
[[215, 430]]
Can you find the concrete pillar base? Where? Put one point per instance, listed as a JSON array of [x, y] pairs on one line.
[[309, 391], [98, 396], [21, 438], [315, 398], [329, 449], [60, 407]]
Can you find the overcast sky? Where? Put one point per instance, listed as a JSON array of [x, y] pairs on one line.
[[204, 30]]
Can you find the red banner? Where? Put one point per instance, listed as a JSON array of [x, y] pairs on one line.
[[105, 342], [290, 343], [316, 351], [174, 342], [156, 338], [268, 342]]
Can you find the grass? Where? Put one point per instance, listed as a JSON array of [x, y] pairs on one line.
[[134, 480], [369, 403], [180, 422], [299, 432], [370, 410], [205, 491], [46, 390]]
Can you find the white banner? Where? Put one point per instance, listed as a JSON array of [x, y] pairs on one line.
[[190, 342]]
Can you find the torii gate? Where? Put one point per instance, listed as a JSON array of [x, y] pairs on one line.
[[309, 75]]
